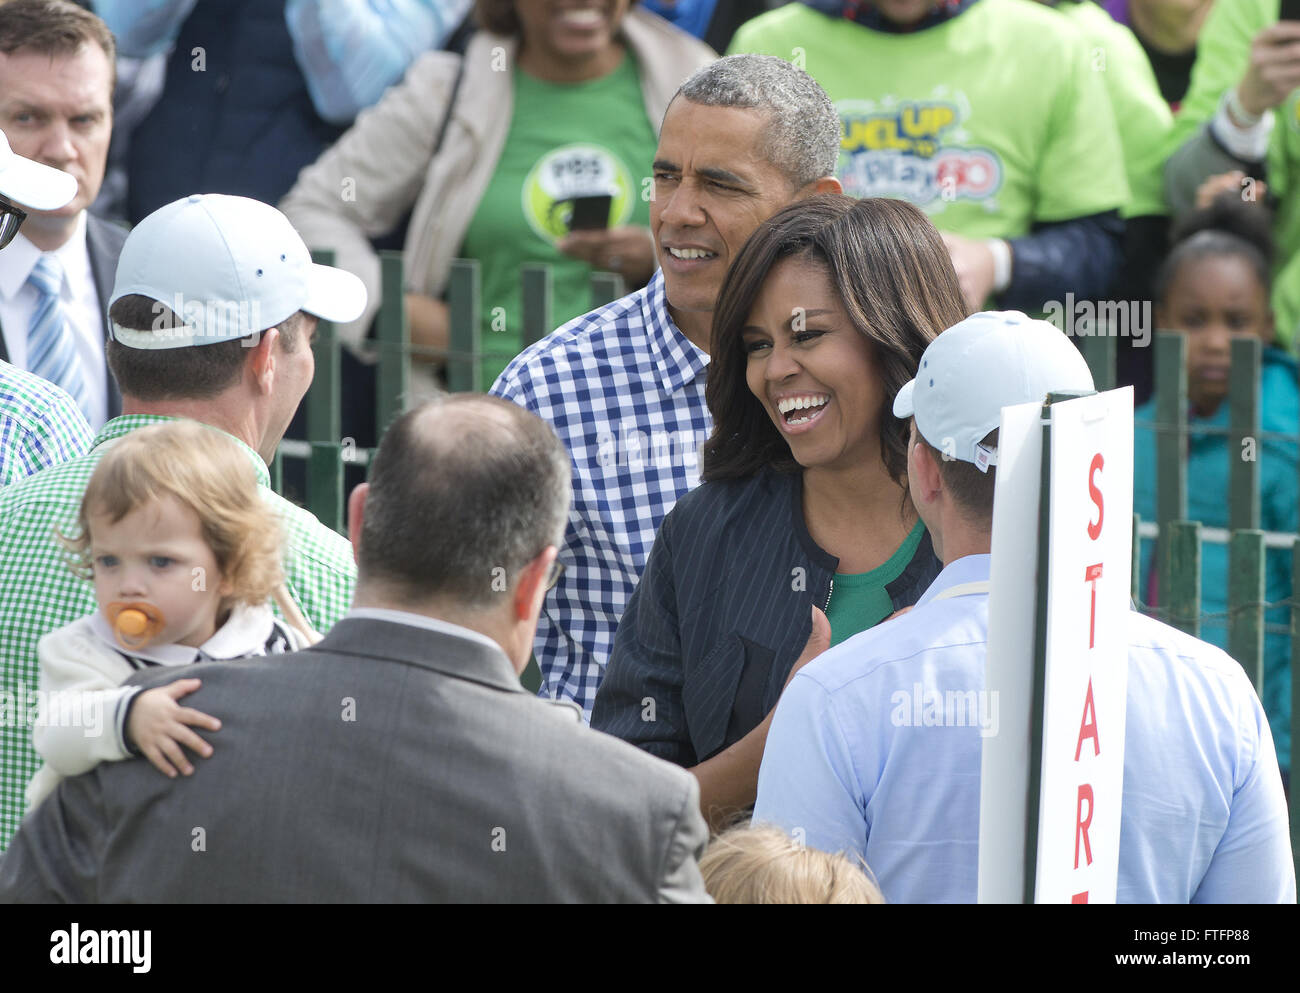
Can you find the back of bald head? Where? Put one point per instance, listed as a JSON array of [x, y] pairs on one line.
[[464, 492]]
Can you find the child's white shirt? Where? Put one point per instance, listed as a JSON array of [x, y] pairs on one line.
[[83, 704]]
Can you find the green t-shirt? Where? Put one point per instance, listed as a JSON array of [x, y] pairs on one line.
[[989, 121], [1222, 56], [859, 600], [565, 140], [1141, 113]]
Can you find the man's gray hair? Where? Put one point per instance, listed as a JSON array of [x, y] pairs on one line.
[[803, 136]]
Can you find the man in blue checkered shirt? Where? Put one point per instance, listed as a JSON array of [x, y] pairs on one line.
[[623, 386]]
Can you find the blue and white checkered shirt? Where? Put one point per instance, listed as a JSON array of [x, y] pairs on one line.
[[40, 425], [624, 390]]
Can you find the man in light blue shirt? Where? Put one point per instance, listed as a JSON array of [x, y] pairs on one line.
[[875, 747]]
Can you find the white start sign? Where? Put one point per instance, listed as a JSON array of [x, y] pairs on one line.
[[1086, 682], [1081, 762]]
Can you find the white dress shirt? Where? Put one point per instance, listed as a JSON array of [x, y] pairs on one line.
[[81, 307]]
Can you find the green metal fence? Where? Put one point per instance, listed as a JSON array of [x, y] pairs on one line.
[[1179, 541]]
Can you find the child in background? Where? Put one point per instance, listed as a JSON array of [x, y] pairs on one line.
[[765, 865], [1214, 287], [184, 555]]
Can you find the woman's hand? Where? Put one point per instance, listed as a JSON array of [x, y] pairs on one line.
[[973, 260], [1274, 68], [818, 641], [430, 322], [158, 728], [1249, 189], [628, 251]]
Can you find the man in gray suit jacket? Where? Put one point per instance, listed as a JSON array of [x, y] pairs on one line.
[[399, 759]]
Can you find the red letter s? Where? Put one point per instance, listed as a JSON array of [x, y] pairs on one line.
[[1094, 491]]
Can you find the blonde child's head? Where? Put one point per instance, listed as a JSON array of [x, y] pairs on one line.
[[763, 864], [173, 513]]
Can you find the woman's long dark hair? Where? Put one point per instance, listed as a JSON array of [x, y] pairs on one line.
[[896, 281]]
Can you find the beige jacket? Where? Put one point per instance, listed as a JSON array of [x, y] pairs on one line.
[[362, 186]]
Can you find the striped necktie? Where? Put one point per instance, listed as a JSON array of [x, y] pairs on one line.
[[51, 351]]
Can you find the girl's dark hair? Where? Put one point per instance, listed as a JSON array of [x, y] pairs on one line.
[[897, 284], [1229, 226]]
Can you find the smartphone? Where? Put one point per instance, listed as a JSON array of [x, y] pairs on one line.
[[1289, 10], [590, 213]]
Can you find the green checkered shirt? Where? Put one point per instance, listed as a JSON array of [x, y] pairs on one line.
[[38, 592]]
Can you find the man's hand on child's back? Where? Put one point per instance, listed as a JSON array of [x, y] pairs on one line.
[[157, 727]]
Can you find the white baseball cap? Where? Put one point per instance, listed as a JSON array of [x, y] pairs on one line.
[[31, 184], [990, 360], [229, 267]]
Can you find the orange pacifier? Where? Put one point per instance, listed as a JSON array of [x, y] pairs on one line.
[[134, 623]]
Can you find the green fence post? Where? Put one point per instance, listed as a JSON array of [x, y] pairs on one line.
[[393, 373], [1246, 602], [606, 287], [1101, 354], [325, 483], [1171, 443], [464, 301], [325, 466], [1243, 437], [1183, 601], [536, 285]]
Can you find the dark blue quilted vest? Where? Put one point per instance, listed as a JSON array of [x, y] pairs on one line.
[[246, 125]]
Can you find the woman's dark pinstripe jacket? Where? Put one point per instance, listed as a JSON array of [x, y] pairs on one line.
[[720, 616]]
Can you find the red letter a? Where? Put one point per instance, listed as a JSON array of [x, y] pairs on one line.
[[1088, 729]]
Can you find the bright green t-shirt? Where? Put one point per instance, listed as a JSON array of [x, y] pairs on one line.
[[859, 600], [990, 121], [565, 140], [1222, 56], [1141, 113]]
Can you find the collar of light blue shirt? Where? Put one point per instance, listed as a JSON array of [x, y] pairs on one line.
[[967, 569]]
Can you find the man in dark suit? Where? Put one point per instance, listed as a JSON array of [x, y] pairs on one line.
[[56, 106], [399, 759]]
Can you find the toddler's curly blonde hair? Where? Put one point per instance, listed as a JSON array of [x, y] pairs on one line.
[[763, 864], [206, 471]]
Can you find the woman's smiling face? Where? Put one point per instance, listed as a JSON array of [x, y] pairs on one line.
[[812, 370]]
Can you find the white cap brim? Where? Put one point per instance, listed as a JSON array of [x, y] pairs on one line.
[[334, 294], [39, 187], [903, 401]]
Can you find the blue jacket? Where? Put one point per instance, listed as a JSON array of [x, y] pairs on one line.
[[720, 615], [1208, 464], [235, 115]]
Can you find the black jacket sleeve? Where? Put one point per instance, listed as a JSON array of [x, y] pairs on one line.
[[1080, 256]]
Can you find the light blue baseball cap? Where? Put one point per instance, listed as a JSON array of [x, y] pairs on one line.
[[228, 267], [991, 360]]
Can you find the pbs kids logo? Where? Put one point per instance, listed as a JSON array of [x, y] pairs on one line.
[[569, 172]]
